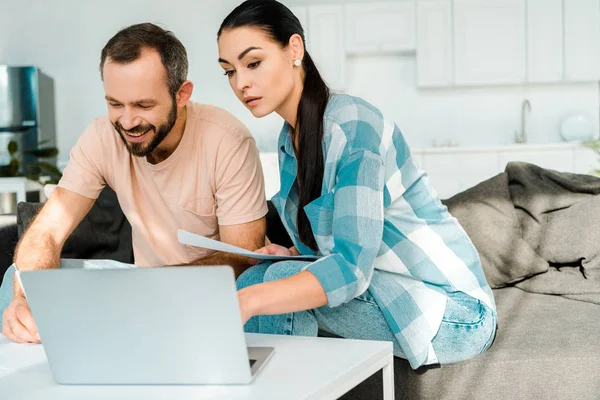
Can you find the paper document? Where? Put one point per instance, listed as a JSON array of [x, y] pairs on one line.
[[193, 239]]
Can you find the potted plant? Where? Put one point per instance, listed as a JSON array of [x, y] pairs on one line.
[[29, 164], [17, 167]]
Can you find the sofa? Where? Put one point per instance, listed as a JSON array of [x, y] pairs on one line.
[[546, 346]]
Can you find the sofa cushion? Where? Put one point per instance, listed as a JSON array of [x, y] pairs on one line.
[[546, 347], [104, 233], [490, 201]]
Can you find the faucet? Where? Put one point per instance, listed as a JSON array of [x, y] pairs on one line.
[[522, 137]]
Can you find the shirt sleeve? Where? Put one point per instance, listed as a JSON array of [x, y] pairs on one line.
[[240, 186], [84, 174], [357, 228]]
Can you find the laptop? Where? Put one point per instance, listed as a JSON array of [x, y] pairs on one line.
[[171, 325]]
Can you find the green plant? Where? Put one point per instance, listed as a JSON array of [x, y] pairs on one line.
[[31, 170]]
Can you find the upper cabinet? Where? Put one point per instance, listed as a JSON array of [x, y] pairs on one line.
[[545, 41], [325, 43], [380, 27], [302, 14], [460, 42], [582, 40], [489, 42], [435, 58]]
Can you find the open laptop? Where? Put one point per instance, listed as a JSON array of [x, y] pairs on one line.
[[172, 325]]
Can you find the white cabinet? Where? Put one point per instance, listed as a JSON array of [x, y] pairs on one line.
[[560, 159], [325, 43], [582, 40], [381, 27], [489, 42], [545, 41], [451, 173], [434, 44], [301, 14], [586, 161], [454, 170]]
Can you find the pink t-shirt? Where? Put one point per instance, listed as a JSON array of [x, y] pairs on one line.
[[214, 177]]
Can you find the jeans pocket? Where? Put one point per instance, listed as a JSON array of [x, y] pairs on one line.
[[462, 309]]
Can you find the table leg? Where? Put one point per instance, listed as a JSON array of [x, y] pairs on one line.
[[388, 380]]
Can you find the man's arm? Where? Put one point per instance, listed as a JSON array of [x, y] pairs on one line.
[[40, 248], [41, 245], [249, 236]]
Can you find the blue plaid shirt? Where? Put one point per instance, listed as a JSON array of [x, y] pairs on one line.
[[379, 226]]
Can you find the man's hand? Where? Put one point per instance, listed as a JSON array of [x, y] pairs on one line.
[[18, 324]]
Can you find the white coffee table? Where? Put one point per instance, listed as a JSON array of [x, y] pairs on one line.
[[300, 368]]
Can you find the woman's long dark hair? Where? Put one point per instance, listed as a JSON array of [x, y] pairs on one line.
[[280, 24]]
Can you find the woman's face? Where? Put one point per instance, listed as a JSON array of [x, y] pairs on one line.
[[260, 71]]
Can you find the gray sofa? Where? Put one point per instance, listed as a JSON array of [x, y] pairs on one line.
[[546, 346]]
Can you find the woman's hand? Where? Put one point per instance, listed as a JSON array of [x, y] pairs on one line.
[[275, 250]]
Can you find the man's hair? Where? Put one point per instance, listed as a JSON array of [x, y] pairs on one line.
[[127, 45]]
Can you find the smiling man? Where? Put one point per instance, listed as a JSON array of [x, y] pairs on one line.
[[174, 164]]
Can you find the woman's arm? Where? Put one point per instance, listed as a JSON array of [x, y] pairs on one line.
[[296, 293], [357, 230]]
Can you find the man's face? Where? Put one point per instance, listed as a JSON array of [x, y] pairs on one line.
[[140, 106]]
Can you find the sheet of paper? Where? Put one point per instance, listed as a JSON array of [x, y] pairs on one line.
[[193, 239]]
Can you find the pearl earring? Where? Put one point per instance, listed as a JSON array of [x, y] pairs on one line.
[[297, 63]]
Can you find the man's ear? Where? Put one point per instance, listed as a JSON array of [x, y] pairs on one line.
[[184, 94]]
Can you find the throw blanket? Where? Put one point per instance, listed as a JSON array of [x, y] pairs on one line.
[[536, 229]]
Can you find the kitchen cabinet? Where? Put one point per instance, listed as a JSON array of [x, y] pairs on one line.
[[545, 41], [451, 173], [489, 46], [558, 159], [380, 27], [302, 14], [325, 43], [582, 40], [435, 56]]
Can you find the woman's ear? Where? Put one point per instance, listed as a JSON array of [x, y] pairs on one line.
[[296, 46]]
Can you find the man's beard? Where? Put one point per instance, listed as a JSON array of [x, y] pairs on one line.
[[138, 149]]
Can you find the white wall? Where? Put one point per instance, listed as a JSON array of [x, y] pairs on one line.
[[64, 38], [466, 116]]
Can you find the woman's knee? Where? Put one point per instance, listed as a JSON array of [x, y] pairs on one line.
[[284, 269], [252, 276]]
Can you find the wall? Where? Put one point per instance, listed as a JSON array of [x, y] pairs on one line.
[[467, 116], [64, 38]]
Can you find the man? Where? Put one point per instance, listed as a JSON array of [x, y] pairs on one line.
[[173, 163]]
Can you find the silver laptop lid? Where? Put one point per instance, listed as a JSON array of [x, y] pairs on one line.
[[172, 325]]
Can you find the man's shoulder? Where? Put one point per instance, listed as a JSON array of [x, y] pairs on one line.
[[218, 121]]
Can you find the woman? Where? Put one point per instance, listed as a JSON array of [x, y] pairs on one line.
[[394, 264]]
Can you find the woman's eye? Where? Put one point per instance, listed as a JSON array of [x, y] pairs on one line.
[[254, 64], [229, 73]]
